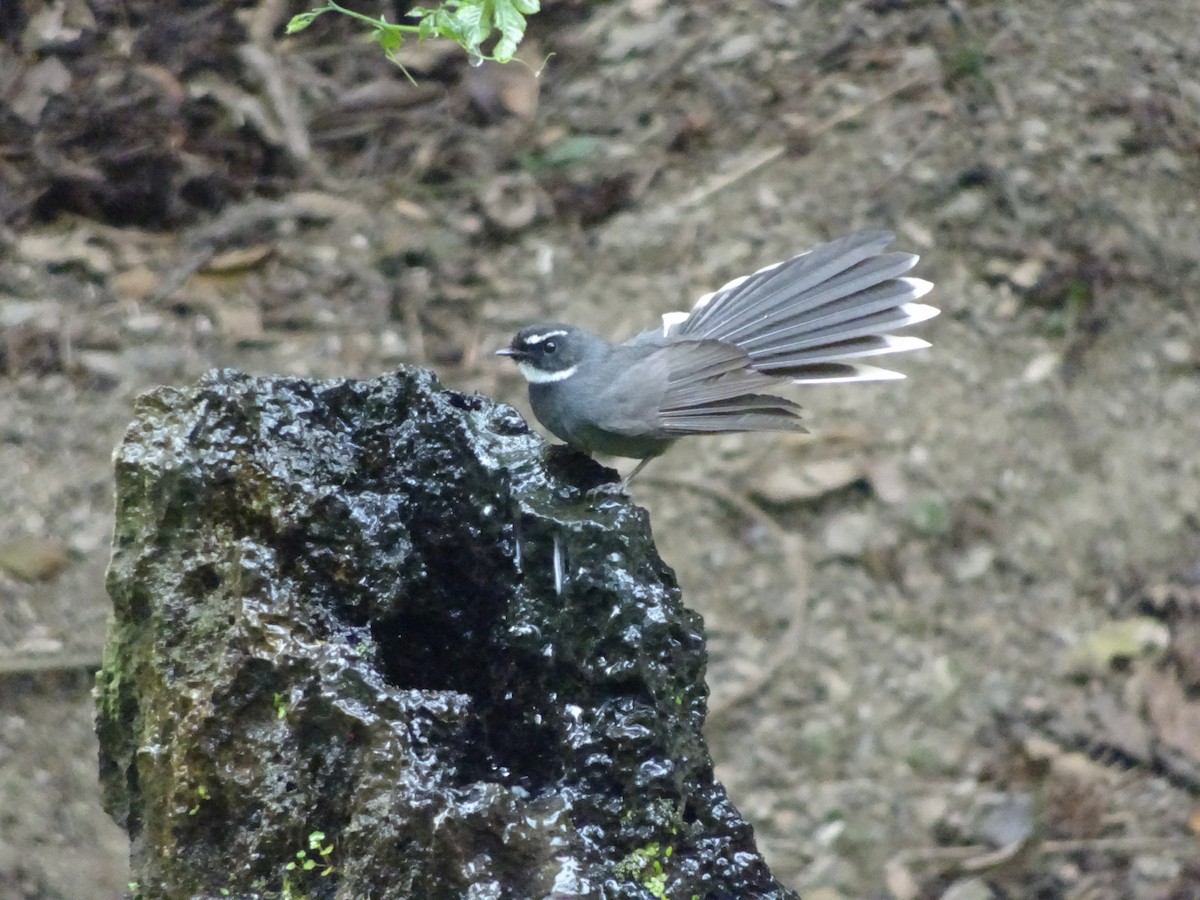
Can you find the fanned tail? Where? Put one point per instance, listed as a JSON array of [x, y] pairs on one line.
[[810, 318]]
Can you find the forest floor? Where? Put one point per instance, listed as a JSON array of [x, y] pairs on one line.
[[954, 631]]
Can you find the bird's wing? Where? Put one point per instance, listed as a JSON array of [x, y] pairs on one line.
[[696, 387], [808, 318]]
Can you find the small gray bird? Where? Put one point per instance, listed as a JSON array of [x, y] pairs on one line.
[[714, 370]]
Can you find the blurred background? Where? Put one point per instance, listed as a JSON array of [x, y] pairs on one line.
[[954, 632]]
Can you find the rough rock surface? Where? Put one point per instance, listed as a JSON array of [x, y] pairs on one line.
[[381, 612]]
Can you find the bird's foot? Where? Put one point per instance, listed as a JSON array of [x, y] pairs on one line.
[[610, 489]]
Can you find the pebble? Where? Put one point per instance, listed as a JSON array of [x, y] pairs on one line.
[[968, 889]]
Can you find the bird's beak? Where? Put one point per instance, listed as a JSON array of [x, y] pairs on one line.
[[509, 351]]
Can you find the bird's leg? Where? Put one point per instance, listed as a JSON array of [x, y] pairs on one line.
[[619, 488], [641, 465]]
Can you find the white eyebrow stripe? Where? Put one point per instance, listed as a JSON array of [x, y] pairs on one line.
[[538, 338], [541, 376]]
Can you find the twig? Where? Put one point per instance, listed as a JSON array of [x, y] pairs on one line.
[[721, 182], [265, 20], [768, 156], [853, 112], [203, 242], [49, 662], [974, 858], [283, 97], [1119, 845]]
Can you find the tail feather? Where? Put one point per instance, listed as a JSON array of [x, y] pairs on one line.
[[789, 325], [803, 318], [871, 278], [787, 280], [838, 373], [767, 404], [853, 348], [874, 270], [872, 323], [729, 423], [748, 412]]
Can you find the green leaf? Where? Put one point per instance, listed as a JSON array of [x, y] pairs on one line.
[[437, 23], [470, 23], [511, 22], [1116, 641], [389, 39], [302, 21], [561, 154], [505, 48], [473, 27]]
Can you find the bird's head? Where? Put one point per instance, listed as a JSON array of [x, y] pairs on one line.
[[550, 353]]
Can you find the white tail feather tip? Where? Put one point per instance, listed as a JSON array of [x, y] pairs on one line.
[[903, 343], [919, 286], [917, 312], [671, 319], [861, 373]]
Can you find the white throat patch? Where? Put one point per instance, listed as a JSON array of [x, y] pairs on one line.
[[541, 376]]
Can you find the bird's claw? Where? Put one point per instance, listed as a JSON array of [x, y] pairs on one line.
[[610, 489]]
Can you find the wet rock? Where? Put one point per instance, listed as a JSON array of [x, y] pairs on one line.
[[372, 639]]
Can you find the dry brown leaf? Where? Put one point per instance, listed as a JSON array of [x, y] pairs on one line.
[[1116, 641], [512, 201], [135, 284], [1121, 723], [520, 95], [1175, 718], [1194, 822], [846, 435], [1040, 749], [1075, 795], [495, 88], [410, 210], [1027, 273], [645, 9], [623, 40], [977, 888], [33, 558], [887, 480], [61, 247], [241, 322], [815, 479], [1185, 651], [48, 78], [57, 23], [238, 260], [322, 205], [900, 881]]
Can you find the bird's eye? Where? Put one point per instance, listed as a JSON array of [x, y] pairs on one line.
[[550, 346]]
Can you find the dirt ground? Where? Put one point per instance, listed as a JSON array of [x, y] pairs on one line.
[[954, 632]]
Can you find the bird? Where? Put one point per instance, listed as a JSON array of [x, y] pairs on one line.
[[718, 368]]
